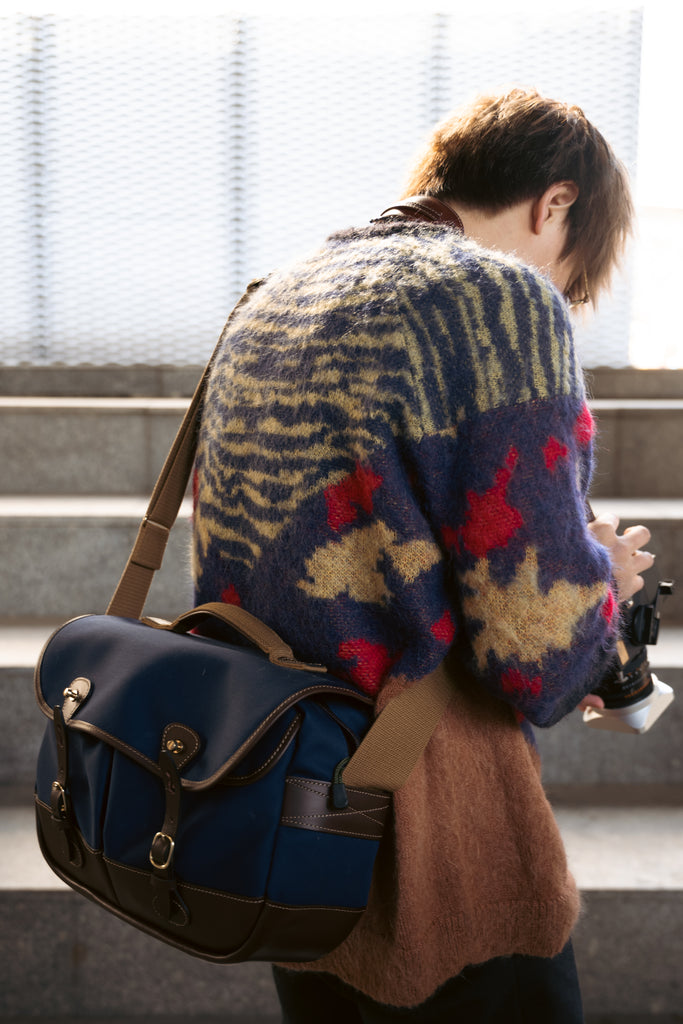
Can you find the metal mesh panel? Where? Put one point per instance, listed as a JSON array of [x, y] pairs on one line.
[[152, 166]]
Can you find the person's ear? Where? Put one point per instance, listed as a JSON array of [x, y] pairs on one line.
[[553, 204]]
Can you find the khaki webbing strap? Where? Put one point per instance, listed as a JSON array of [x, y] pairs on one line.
[[393, 746], [148, 551]]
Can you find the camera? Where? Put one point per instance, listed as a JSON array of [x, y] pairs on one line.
[[634, 697]]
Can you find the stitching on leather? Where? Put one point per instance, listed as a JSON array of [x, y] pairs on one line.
[[302, 693], [333, 831], [317, 906], [292, 729], [322, 788], [186, 885], [186, 728], [337, 815], [187, 757]]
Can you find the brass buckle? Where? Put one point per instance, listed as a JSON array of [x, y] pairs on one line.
[[169, 857], [58, 801]]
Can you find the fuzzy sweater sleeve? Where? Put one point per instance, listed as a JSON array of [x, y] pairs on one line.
[[505, 492]]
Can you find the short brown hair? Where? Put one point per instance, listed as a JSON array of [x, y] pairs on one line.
[[499, 150]]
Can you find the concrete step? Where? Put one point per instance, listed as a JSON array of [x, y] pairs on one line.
[[86, 445], [172, 381], [639, 447], [629, 942], [110, 445], [62, 556], [572, 754]]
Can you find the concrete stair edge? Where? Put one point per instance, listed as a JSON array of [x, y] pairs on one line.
[[171, 380]]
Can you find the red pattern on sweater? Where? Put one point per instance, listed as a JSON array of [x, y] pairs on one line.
[[230, 595], [516, 683], [553, 451], [444, 629], [373, 661], [491, 522], [584, 428], [609, 607], [355, 489]]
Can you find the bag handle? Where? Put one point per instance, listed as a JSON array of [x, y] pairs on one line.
[[239, 619]]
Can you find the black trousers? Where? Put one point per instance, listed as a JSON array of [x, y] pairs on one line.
[[507, 990]]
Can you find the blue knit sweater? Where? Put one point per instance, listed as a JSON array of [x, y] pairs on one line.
[[393, 462]]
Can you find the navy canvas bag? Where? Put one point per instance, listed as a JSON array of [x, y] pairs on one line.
[[201, 783], [188, 784]]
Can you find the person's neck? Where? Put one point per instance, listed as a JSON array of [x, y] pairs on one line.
[[504, 230]]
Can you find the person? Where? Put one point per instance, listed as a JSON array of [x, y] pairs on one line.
[[393, 465]]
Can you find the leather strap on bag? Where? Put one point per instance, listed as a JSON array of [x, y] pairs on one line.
[[394, 743], [426, 208]]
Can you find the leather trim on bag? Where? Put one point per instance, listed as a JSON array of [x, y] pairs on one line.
[[266, 723], [75, 695], [307, 805], [227, 767], [244, 928], [271, 760], [40, 700]]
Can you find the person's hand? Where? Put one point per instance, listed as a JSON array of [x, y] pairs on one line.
[[625, 551], [591, 700]]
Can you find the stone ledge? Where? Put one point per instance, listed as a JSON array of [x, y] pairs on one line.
[[178, 381]]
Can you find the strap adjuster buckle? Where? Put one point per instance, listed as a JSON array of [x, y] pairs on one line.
[[162, 838]]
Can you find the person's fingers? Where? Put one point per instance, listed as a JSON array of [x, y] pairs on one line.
[[637, 536], [641, 561], [606, 519], [604, 528], [591, 700], [628, 584]]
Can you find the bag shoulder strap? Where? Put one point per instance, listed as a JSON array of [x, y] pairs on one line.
[[148, 551], [393, 745]]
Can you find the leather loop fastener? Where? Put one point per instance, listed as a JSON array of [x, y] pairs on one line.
[[150, 544], [166, 900], [60, 800]]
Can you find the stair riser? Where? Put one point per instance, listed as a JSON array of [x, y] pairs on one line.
[[65, 566], [62, 567], [572, 754], [639, 453], [80, 954], [83, 450]]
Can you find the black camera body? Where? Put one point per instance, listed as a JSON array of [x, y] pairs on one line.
[[634, 697]]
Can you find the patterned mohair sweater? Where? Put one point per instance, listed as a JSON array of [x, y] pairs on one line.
[[393, 462]]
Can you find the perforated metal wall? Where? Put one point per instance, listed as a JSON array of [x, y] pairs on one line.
[[152, 166]]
